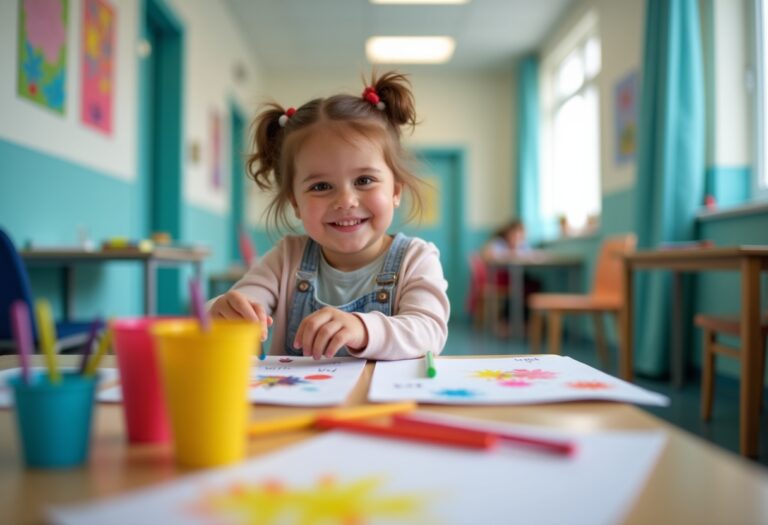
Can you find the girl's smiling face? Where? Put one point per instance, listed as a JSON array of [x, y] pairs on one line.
[[345, 195]]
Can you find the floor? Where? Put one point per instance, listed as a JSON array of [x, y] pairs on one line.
[[722, 430]]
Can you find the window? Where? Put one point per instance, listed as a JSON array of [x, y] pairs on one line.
[[570, 175]]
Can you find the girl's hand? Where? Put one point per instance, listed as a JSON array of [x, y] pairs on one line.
[[324, 332], [234, 305]]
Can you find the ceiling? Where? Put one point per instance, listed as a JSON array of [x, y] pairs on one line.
[[331, 34]]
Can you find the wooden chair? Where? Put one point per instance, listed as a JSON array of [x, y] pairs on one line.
[[607, 296], [15, 285], [714, 326]]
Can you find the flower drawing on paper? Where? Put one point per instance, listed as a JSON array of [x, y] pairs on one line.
[[326, 502], [492, 375], [589, 385], [274, 381], [457, 393], [515, 383], [523, 373]]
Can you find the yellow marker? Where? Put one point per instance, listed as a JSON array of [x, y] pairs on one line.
[[47, 332], [285, 424], [104, 344]]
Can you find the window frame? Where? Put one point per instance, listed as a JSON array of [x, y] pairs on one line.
[[758, 83]]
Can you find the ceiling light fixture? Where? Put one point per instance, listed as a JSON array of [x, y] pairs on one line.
[[409, 49]]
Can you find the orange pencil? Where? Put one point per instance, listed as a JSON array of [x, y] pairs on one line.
[[458, 438], [565, 448]]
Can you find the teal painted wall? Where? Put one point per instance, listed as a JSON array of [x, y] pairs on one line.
[[730, 185], [47, 200]]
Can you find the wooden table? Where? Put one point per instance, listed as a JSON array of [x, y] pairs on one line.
[[516, 265], [151, 260], [750, 261], [693, 481]]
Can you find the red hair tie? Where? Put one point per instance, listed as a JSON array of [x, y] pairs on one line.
[[283, 120], [371, 96]]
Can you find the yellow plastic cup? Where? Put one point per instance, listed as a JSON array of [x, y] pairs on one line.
[[205, 380]]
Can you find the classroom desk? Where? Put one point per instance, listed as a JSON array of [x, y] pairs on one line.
[[151, 260], [516, 265], [693, 481], [750, 261]]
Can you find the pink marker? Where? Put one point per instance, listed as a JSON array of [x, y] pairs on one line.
[[22, 333], [198, 304]]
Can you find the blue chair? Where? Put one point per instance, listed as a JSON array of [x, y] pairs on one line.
[[14, 285]]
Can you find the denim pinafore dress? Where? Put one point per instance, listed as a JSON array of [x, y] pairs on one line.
[[305, 299]]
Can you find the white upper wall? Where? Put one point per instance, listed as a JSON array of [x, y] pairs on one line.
[[31, 125], [213, 48], [473, 111], [621, 26]]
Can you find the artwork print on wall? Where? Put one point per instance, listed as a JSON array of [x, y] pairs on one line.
[[42, 52], [98, 65]]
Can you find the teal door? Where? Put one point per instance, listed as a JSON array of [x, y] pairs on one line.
[[442, 220]]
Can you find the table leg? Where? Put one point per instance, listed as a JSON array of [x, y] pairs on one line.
[[676, 332], [68, 284], [150, 287], [517, 300], [751, 374], [627, 320]]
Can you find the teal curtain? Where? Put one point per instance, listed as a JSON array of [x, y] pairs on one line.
[[670, 170], [527, 194]]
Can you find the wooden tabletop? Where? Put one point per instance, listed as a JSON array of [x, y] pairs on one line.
[[162, 253], [693, 482], [697, 258]]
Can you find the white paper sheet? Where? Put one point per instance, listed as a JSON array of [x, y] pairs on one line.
[[499, 381], [106, 377], [295, 381], [348, 478]]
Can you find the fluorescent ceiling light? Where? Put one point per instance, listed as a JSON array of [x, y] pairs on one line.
[[409, 49], [419, 1]]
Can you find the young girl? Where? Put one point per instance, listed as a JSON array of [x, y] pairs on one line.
[[346, 287]]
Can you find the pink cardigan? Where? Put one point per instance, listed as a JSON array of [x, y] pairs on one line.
[[420, 313]]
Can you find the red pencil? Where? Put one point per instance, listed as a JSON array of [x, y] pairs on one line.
[[565, 448], [456, 437]]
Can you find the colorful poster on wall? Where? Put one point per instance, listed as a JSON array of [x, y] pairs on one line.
[[215, 149], [625, 112], [42, 52], [98, 51]]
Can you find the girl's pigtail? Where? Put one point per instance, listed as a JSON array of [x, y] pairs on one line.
[[267, 140], [394, 90]]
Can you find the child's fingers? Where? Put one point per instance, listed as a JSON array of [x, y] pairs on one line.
[[241, 306], [340, 339], [264, 320], [308, 329], [324, 335]]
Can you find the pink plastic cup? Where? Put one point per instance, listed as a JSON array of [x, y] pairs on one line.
[[143, 401]]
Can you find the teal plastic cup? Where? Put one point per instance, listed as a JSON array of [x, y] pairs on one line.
[[54, 420]]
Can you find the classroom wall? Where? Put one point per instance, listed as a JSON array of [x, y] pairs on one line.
[[59, 179]]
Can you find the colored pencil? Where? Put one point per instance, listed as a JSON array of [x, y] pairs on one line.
[[47, 332], [104, 344], [458, 438], [281, 424], [431, 370], [565, 448], [22, 333], [284, 424], [92, 333], [198, 304]]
